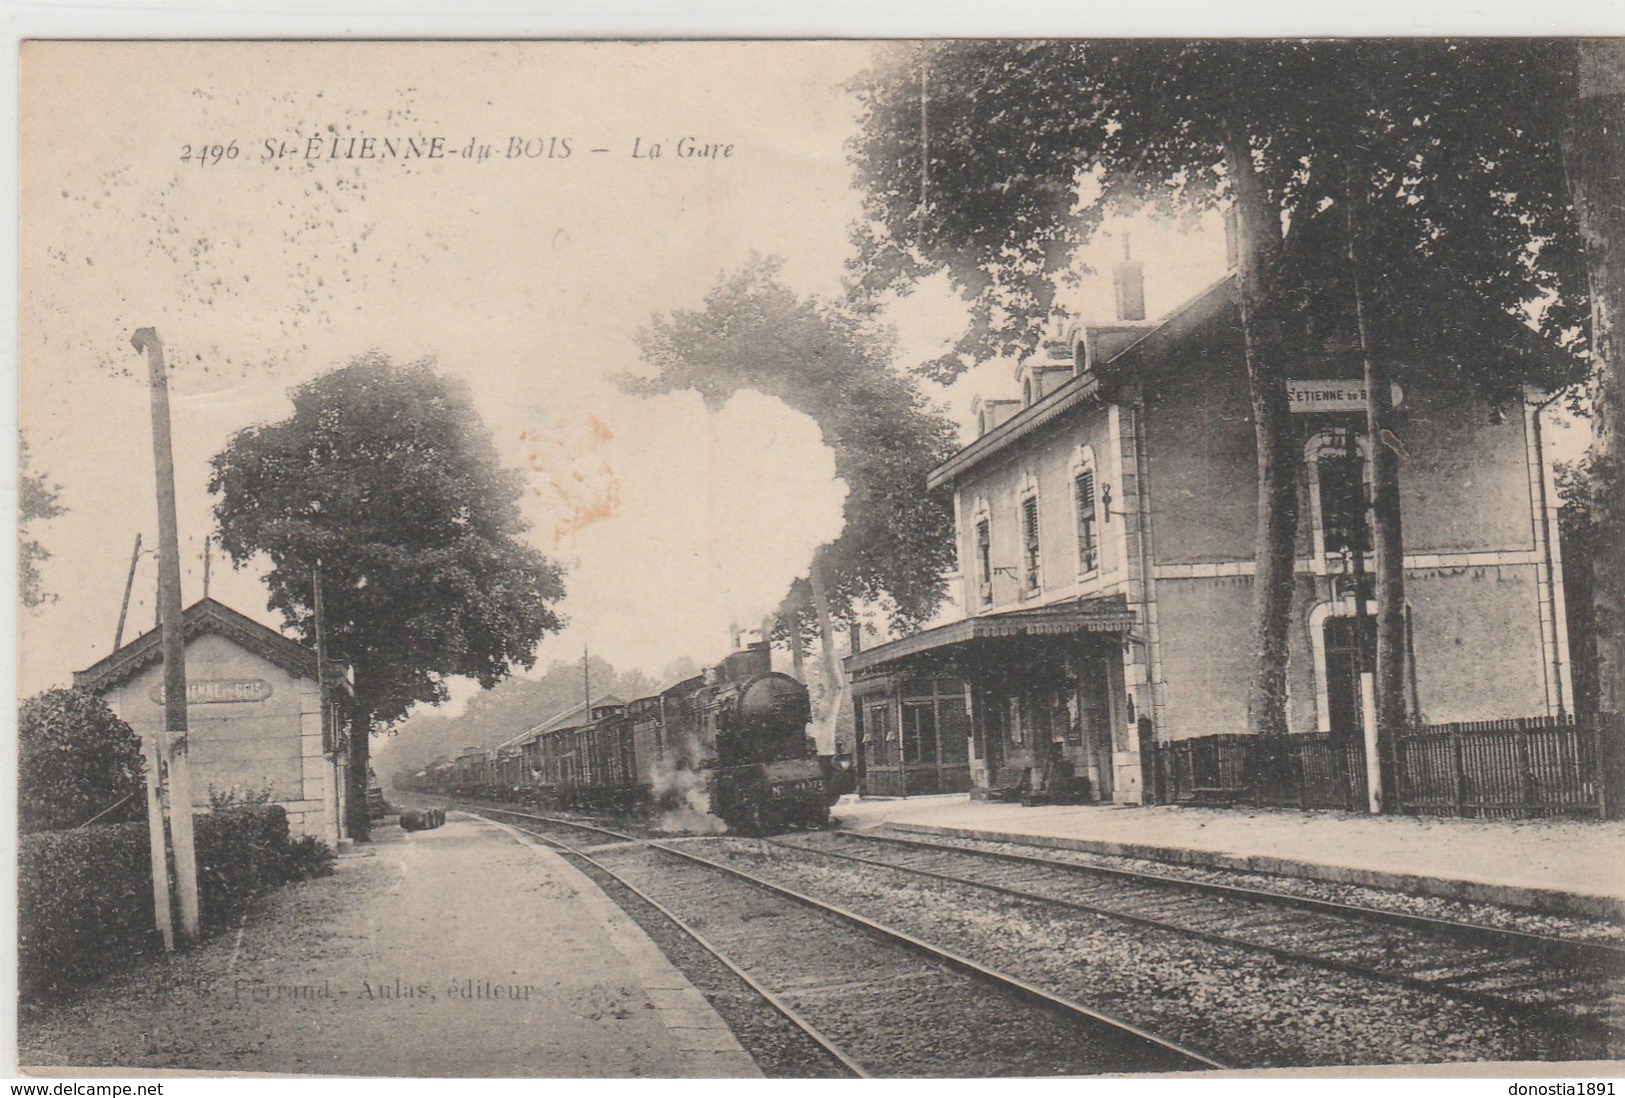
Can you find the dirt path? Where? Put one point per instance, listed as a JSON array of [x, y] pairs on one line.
[[456, 952]]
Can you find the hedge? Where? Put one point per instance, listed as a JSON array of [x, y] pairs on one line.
[[84, 905], [84, 898]]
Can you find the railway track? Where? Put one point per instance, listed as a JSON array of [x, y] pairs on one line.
[[1570, 985], [876, 1000], [1274, 980]]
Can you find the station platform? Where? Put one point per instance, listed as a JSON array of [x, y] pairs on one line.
[[1560, 867], [465, 951]]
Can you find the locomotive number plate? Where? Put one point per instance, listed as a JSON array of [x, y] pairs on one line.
[[804, 785]]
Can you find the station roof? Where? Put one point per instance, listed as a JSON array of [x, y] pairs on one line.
[[206, 616], [1106, 614]]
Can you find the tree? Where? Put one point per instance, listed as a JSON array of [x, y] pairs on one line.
[[36, 501], [1595, 152], [385, 480], [975, 158], [77, 762], [835, 366]]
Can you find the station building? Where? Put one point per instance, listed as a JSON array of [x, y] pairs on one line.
[[1105, 524], [255, 717]]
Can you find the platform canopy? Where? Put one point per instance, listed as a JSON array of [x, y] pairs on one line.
[[1108, 614]]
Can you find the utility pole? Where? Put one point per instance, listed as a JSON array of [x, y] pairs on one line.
[[162, 917], [586, 682], [173, 639], [1383, 451]]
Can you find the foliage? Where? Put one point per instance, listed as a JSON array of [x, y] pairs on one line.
[[385, 477], [505, 710], [1590, 532], [241, 852], [1467, 198], [84, 903], [832, 364], [36, 501], [310, 857], [76, 759], [238, 796]]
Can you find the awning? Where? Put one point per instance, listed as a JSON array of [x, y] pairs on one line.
[[1097, 615]]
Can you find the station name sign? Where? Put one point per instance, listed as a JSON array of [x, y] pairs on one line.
[[218, 691], [1331, 395]]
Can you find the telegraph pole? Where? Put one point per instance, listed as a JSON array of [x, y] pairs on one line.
[[162, 917], [173, 639]]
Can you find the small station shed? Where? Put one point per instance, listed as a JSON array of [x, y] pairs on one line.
[[255, 717]]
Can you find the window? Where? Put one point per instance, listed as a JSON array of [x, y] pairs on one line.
[[1340, 477], [1083, 487], [1031, 579], [876, 730], [919, 732], [984, 560]]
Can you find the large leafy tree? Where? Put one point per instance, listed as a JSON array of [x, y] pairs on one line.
[[831, 363], [975, 156], [77, 762], [385, 482], [36, 501]]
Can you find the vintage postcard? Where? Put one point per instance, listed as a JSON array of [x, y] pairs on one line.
[[819, 559]]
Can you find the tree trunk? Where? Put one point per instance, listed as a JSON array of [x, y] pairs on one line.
[[1259, 243], [798, 658], [835, 689], [1594, 152], [1382, 457], [360, 752]]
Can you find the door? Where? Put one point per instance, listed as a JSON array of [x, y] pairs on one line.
[[1343, 664]]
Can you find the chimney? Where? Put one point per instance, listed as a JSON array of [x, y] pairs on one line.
[[1129, 278]]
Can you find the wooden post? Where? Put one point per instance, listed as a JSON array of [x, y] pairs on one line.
[[161, 915], [173, 639]]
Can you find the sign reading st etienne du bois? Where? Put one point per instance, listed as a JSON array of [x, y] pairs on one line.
[[1331, 395], [218, 691]]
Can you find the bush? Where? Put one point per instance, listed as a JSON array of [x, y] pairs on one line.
[[84, 905], [241, 852], [75, 760], [309, 857], [84, 898]]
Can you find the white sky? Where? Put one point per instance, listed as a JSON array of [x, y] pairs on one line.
[[526, 278]]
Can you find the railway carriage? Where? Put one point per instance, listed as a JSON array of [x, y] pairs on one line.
[[735, 737]]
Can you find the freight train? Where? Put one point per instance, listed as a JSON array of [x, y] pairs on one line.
[[732, 741]]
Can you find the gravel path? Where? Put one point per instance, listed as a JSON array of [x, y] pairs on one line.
[[455, 952]]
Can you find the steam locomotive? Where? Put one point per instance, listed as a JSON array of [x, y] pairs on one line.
[[732, 741]]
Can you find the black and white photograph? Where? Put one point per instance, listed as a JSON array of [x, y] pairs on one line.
[[824, 558]]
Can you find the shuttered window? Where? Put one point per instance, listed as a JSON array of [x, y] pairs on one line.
[[1031, 578], [984, 560], [1088, 537]]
